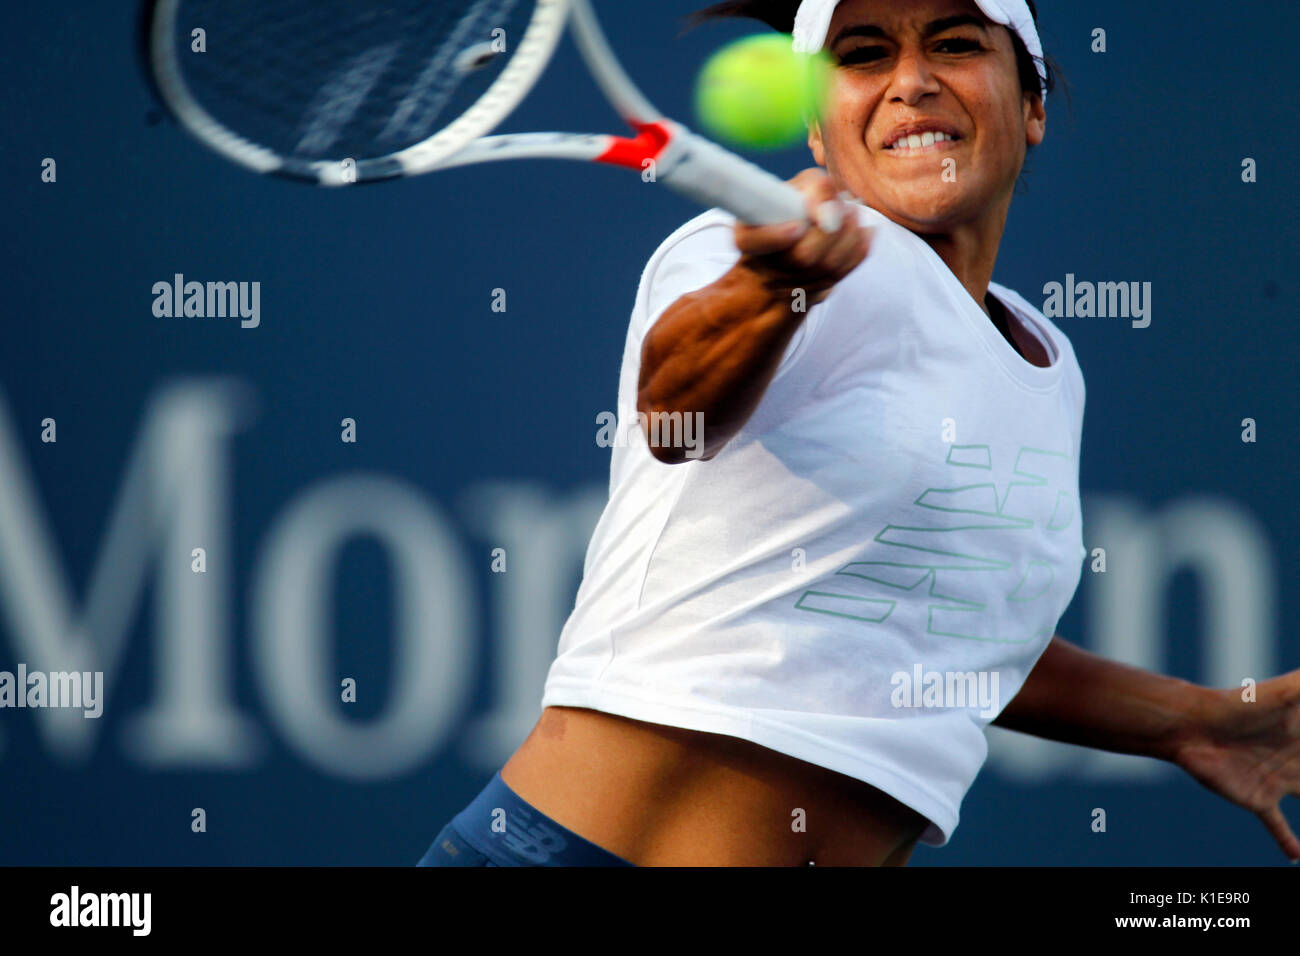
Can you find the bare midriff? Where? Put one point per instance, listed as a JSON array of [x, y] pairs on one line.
[[663, 796]]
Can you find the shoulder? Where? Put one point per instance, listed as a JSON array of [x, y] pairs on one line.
[[1028, 310], [711, 234], [898, 265], [711, 229], [695, 254], [893, 242]]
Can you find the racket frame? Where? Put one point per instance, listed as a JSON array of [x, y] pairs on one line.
[[679, 158]]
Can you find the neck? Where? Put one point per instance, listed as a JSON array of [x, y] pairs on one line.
[[970, 252]]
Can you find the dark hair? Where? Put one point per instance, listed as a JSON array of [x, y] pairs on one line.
[[779, 15]]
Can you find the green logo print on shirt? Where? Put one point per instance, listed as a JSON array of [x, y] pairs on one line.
[[967, 543]]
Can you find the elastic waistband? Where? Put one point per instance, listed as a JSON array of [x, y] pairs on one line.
[[512, 832]]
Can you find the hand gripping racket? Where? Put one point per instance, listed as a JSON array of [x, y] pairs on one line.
[[333, 92]]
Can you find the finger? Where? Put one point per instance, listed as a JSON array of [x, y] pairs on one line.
[[829, 216], [824, 211], [768, 240], [851, 247], [814, 183], [847, 248], [844, 250], [1277, 825], [823, 204], [806, 257]]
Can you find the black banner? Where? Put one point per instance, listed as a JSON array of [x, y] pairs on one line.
[[340, 905]]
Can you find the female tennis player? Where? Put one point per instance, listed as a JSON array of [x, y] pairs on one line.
[[791, 634]]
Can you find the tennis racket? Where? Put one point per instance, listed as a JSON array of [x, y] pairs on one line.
[[332, 92]]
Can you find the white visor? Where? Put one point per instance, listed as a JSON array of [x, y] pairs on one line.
[[814, 19]]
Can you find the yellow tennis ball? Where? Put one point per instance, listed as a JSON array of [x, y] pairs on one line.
[[757, 92]]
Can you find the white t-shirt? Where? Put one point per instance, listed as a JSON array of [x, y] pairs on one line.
[[902, 504]]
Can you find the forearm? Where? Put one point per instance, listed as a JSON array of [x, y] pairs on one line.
[[1081, 698], [714, 352]]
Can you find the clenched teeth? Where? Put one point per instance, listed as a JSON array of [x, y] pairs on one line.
[[919, 141]]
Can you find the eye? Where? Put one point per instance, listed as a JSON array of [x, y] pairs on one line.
[[958, 45], [861, 54]]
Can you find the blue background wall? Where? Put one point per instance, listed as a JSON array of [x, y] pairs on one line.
[[477, 430]]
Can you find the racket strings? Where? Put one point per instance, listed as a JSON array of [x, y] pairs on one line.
[[324, 80]]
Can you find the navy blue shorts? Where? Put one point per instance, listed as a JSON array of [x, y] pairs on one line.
[[499, 828]]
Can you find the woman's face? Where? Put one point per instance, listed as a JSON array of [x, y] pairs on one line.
[[942, 67]]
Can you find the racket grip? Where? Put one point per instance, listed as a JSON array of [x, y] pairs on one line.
[[712, 176]]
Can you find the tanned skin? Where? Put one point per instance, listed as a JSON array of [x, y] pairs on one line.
[[659, 795]]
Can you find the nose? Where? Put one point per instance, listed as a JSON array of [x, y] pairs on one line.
[[911, 79]]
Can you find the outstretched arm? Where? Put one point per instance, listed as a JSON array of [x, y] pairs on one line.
[[1247, 752]]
